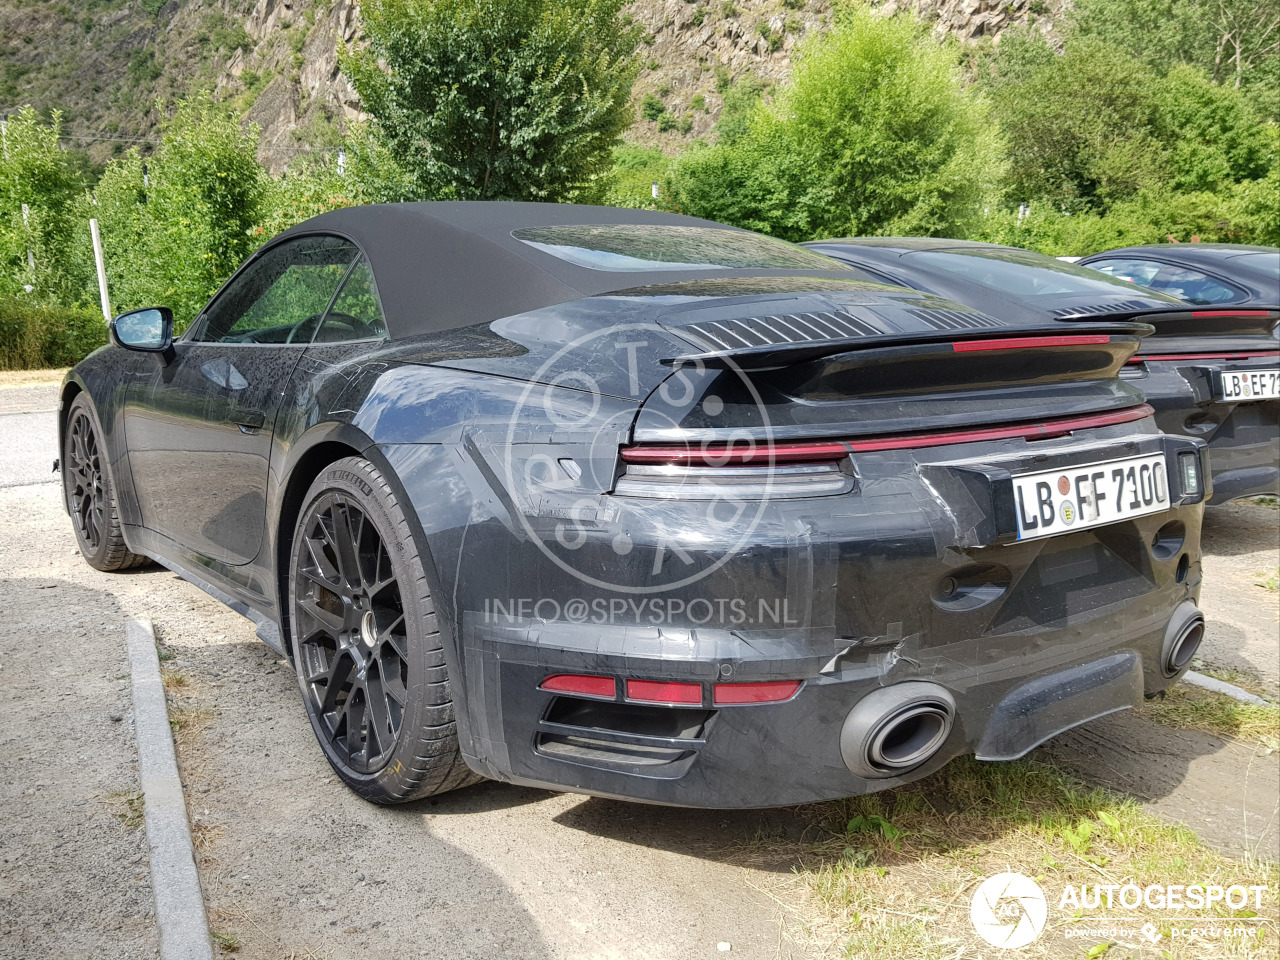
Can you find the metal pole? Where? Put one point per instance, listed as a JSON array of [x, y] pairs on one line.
[[31, 257], [102, 270]]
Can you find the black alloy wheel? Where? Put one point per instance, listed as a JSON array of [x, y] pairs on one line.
[[352, 647], [366, 646], [89, 495]]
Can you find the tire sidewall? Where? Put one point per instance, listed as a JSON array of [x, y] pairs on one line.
[[82, 404], [359, 480]]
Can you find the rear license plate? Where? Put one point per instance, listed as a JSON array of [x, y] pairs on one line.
[[1240, 385], [1090, 495]]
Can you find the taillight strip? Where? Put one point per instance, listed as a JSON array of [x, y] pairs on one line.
[[779, 453], [1035, 431], [721, 455], [1019, 343]]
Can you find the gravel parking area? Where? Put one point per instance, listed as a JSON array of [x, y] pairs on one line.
[[294, 865]]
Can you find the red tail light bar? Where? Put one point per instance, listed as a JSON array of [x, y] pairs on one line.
[[783, 452]]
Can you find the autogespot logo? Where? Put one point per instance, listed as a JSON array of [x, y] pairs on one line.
[[1009, 910]]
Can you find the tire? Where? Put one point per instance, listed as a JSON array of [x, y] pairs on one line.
[[89, 494], [366, 643]]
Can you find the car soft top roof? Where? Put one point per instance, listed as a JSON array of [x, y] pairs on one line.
[[444, 265]]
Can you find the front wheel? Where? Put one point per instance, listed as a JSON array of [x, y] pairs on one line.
[[366, 643], [90, 497]]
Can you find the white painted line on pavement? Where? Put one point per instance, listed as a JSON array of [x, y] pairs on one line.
[[175, 883], [1221, 686]]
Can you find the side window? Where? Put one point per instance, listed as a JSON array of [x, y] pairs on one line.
[[1192, 285], [281, 296], [356, 313], [1141, 272]]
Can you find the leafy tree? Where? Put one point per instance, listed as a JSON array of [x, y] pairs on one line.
[[497, 99], [875, 133], [176, 225], [1093, 125], [1229, 39], [35, 172]]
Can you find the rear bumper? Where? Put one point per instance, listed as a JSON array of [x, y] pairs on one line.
[[1007, 702], [914, 576]]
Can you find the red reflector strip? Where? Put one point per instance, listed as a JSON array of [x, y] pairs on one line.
[[1230, 313], [736, 455], [772, 691], [581, 684], [1037, 431], [1019, 343], [660, 691]]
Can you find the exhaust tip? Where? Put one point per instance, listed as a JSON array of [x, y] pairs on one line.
[[1182, 639], [895, 729], [1184, 647]]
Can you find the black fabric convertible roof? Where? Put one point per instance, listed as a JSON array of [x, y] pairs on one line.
[[444, 265]]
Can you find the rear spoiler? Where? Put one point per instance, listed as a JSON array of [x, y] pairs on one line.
[[774, 355], [1193, 321]]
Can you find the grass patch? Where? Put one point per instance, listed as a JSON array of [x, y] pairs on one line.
[[1193, 708], [894, 872], [128, 807], [226, 942], [174, 680], [1269, 582], [187, 720]]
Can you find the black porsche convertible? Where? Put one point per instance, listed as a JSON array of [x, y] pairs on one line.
[[1211, 370], [643, 506]]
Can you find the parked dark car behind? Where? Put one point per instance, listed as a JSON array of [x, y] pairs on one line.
[[1199, 273], [1210, 372], [643, 506]]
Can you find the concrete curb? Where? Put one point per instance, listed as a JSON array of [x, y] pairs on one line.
[[175, 883], [1221, 686]]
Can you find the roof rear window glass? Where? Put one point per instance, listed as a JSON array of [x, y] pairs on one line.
[[637, 247], [1020, 273]]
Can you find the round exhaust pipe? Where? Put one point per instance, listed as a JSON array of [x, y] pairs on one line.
[[1181, 639], [895, 729]]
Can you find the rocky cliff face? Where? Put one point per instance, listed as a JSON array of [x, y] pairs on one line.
[[276, 60]]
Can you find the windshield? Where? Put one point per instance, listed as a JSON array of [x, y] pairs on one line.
[[635, 247], [1020, 272]]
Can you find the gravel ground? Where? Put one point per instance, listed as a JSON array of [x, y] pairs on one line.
[[294, 865]]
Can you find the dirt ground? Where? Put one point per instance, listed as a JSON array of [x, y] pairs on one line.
[[294, 865]]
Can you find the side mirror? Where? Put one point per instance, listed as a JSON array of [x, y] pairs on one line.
[[149, 330]]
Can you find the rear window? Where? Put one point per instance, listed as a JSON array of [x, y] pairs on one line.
[[636, 247], [1020, 273]]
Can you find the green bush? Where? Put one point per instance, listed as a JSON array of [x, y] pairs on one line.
[[875, 133], [34, 337], [518, 99]]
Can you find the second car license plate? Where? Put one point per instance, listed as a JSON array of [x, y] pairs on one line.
[[1090, 495], [1240, 385]]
